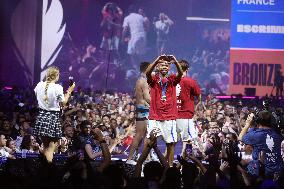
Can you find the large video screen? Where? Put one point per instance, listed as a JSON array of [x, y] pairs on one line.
[[102, 43]]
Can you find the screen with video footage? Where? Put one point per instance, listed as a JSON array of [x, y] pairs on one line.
[[101, 44], [106, 42]]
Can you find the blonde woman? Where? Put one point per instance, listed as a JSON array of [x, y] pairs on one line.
[[50, 97]]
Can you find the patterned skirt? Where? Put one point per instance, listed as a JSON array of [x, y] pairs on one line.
[[48, 124]]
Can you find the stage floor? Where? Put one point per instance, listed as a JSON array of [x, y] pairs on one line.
[[161, 145]]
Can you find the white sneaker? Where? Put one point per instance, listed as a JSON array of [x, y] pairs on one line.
[[131, 162]]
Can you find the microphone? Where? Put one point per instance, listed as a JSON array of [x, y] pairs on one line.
[[71, 81]]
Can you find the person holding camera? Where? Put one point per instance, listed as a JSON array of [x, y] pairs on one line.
[[265, 141], [163, 105], [50, 98], [162, 27]]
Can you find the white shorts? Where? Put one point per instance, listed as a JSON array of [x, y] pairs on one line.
[[137, 45], [166, 129], [186, 129]]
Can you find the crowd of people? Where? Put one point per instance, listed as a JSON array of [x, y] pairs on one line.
[[84, 138], [210, 61], [230, 148]]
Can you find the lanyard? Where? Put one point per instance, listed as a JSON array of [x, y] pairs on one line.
[[164, 88]]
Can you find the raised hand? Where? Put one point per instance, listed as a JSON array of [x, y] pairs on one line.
[[159, 58], [153, 139], [234, 158], [217, 144], [98, 134], [173, 59], [72, 87], [224, 166], [195, 160], [249, 119]]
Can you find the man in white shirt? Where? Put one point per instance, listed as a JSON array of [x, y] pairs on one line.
[[134, 24]]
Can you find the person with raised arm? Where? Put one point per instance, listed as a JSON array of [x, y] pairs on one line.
[[50, 98], [163, 106]]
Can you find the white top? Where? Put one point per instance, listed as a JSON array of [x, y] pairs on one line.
[[54, 95], [4, 153], [135, 22], [246, 157], [162, 27]]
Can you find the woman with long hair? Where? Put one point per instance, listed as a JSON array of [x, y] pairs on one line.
[[29, 144], [50, 97]]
